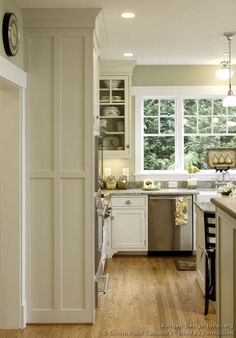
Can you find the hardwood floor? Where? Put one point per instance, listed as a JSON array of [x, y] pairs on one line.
[[146, 297]]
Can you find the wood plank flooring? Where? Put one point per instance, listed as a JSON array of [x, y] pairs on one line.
[[146, 297]]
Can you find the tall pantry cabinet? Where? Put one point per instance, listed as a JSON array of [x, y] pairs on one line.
[[61, 59]]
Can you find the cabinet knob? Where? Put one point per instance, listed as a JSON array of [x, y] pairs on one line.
[[128, 202], [127, 146]]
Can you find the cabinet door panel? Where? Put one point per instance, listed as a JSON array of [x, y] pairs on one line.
[[72, 103], [41, 283], [40, 95], [115, 110], [61, 167], [226, 270], [128, 229]]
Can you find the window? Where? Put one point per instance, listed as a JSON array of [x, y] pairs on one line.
[[159, 134], [173, 130], [206, 124]]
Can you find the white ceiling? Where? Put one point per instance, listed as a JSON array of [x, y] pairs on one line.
[[163, 32]]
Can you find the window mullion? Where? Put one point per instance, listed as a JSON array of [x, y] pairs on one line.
[[139, 123], [179, 138]]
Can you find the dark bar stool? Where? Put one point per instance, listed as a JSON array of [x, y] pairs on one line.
[[210, 258]]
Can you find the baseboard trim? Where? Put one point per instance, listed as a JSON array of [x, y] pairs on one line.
[[170, 253]]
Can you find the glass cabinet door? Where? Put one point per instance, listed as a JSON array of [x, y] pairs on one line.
[[113, 113]]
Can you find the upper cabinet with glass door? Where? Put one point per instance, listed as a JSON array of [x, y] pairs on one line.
[[113, 97]]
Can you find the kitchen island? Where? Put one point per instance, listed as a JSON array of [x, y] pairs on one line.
[[226, 262]]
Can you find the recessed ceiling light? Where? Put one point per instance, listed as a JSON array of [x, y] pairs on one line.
[[128, 54], [128, 15]]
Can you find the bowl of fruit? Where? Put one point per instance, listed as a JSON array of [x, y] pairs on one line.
[[150, 185]]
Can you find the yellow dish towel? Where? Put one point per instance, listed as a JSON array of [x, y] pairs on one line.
[[181, 211]]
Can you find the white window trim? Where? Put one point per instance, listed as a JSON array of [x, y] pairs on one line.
[[178, 93]]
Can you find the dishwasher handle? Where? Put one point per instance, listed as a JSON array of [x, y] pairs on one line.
[[154, 198], [165, 197]]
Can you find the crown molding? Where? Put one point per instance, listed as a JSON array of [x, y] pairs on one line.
[[60, 17], [117, 67], [100, 31]]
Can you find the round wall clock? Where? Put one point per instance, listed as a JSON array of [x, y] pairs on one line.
[[10, 33]]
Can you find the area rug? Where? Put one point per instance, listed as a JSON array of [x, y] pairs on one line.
[[185, 263]]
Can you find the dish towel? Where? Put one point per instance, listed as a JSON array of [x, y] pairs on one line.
[[181, 210]]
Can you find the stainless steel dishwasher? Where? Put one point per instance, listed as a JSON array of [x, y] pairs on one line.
[[170, 225]]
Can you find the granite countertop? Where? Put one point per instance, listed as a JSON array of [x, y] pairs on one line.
[[206, 207], [227, 204], [178, 191]]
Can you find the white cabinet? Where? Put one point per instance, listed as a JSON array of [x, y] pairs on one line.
[[115, 108], [96, 60], [226, 265], [129, 224], [60, 131], [128, 229]]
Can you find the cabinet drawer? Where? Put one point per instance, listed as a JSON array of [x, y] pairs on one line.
[[129, 201]]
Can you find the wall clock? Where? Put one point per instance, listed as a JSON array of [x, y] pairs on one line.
[[11, 34]]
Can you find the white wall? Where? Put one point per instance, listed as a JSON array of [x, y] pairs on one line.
[[12, 287], [11, 6]]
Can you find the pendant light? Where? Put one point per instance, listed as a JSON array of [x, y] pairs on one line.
[[230, 99], [223, 72]]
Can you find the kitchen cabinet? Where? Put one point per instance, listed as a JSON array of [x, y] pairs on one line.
[[113, 98], [115, 108], [129, 224], [96, 62], [226, 264], [60, 110]]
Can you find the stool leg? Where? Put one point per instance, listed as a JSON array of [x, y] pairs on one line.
[[206, 287], [213, 279]]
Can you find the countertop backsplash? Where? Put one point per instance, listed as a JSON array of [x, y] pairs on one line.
[[180, 184]]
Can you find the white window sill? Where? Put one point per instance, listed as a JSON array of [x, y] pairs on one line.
[[174, 175]]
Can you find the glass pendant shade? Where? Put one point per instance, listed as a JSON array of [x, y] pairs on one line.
[[223, 73], [229, 100]]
